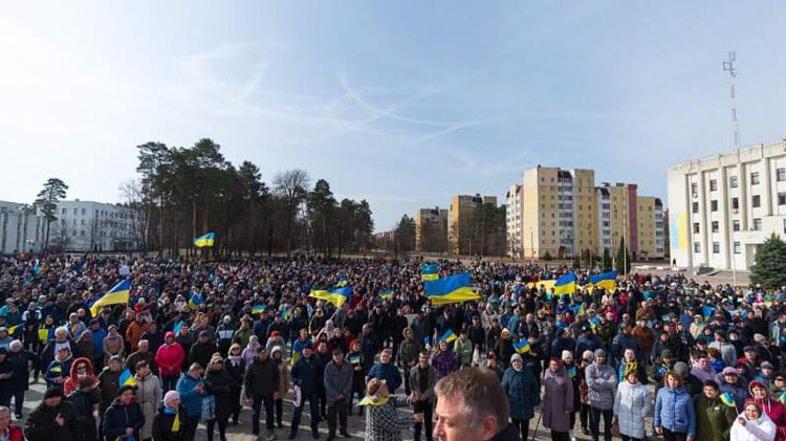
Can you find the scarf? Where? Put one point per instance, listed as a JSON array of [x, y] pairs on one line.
[[374, 401], [235, 359]]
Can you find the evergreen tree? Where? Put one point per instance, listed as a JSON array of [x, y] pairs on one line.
[[54, 190], [623, 258], [769, 268], [606, 260]]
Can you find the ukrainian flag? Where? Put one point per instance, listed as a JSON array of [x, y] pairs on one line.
[[565, 284], [126, 378], [205, 240], [452, 289], [447, 337], [117, 295], [342, 282], [782, 398], [430, 272], [427, 342], [194, 299], [607, 281], [258, 309], [522, 346], [12, 330], [727, 399], [336, 296], [386, 295]]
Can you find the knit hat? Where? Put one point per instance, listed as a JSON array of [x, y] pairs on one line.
[[681, 369], [767, 365], [587, 355], [515, 357], [171, 395], [729, 371], [600, 353]]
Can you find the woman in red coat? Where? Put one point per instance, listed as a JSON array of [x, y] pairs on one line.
[[772, 408], [169, 359], [81, 367]]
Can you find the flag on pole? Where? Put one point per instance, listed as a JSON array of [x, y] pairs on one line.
[[565, 284], [451, 289], [205, 240], [126, 378], [117, 295]]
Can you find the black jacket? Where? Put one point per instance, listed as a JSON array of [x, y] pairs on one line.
[[41, 425], [201, 353], [162, 425], [119, 416], [219, 383], [261, 378], [83, 402]]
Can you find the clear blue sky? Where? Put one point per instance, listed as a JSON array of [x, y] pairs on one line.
[[404, 103]]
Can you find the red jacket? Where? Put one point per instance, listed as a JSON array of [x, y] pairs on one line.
[[169, 359], [15, 433]]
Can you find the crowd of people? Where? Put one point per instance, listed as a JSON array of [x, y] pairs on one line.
[[198, 342]]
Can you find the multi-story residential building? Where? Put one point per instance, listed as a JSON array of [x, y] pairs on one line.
[[513, 201], [721, 207], [462, 208], [565, 215], [431, 230], [95, 226], [21, 228]]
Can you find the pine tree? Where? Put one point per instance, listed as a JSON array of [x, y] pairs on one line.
[[623, 258], [769, 268]]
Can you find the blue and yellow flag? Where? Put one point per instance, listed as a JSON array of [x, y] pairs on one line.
[[354, 359], [126, 378], [342, 282], [451, 289], [205, 240], [386, 294], [782, 398], [727, 399], [448, 336], [336, 296], [119, 294], [178, 326], [565, 284], [258, 309], [12, 330], [429, 272], [194, 299], [427, 342], [522, 346], [607, 281]]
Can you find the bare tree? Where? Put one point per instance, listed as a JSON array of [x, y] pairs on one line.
[[291, 186], [131, 192]]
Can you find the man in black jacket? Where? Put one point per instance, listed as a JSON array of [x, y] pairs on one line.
[[304, 375], [261, 380], [53, 419]]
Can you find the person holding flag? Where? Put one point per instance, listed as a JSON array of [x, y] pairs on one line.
[[713, 417], [445, 361]]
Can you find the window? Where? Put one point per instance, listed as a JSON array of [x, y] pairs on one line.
[[737, 248], [733, 181], [713, 205], [781, 198], [755, 178], [780, 174], [757, 224], [735, 225], [63, 211], [74, 211], [694, 188], [713, 185], [83, 212], [694, 206], [695, 228], [714, 226], [716, 248], [756, 202], [735, 203], [696, 247]]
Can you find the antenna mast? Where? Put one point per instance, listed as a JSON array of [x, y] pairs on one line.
[[728, 66]]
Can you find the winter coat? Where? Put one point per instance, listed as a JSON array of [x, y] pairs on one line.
[[169, 359], [261, 379], [601, 382], [674, 411], [162, 425], [389, 373], [305, 374], [41, 425], [523, 392], [22, 361], [384, 423], [190, 398], [631, 405], [236, 370], [777, 413], [119, 416], [408, 352], [445, 363], [431, 381], [713, 418], [219, 383], [557, 400], [283, 381], [762, 429], [84, 401], [148, 395], [463, 348], [338, 380], [201, 353], [72, 382]]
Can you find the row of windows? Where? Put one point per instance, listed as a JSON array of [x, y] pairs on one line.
[[735, 203], [780, 176], [716, 247], [735, 226]]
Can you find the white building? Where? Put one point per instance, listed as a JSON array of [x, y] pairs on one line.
[[722, 207], [95, 226], [514, 200], [21, 229]]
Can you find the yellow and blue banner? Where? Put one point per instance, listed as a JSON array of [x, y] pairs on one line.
[[451, 289], [336, 296], [126, 378], [258, 309], [607, 281], [194, 299], [430, 272], [565, 284], [386, 294], [448, 336], [119, 294], [727, 399], [427, 342], [522, 346], [205, 240]]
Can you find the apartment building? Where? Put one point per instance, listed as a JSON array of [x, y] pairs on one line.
[[513, 231], [95, 226], [431, 230], [460, 212], [21, 228], [721, 207]]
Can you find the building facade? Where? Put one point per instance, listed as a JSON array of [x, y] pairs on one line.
[[431, 230], [460, 212], [513, 231], [21, 228], [94, 226], [722, 207]]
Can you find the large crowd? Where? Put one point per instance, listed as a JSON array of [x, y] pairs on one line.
[[198, 342]]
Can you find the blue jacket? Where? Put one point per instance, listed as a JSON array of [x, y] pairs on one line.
[[189, 397], [523, 392], [306, 374], [674, 411], [387, 372]]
